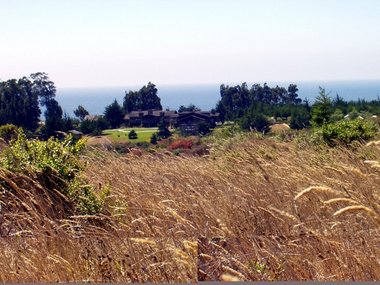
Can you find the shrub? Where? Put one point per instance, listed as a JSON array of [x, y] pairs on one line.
[[204, 128], [181, 144], [143, 145], [348, 131], [337, 116], [153, 139], [94, 127], [254, 120], [163, 131], [300, 119], [121, 147], [8, 132], [225, 132], [55, 165], [132, 135]]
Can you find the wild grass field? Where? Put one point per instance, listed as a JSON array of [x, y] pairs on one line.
[[253, 209]]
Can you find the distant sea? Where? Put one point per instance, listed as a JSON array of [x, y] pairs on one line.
[[206, 96]]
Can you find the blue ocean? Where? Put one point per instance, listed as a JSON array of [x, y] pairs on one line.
[[206, 96]]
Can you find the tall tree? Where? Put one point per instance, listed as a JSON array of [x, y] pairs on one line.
[[114, 114], [43, 87], [144, 99], [80, 112], [322, 108], [31, 109], [19, 104], [292, 94], [53, 117]]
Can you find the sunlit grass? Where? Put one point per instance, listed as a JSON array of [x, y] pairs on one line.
[[121, 135], [252, 209]]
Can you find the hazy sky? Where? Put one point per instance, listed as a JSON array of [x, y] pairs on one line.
[[129, 42]]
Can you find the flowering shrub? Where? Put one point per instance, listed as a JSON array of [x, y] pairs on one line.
[[181, 144]]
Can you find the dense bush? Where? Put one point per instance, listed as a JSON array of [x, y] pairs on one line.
[[153, 139], [204, 128], [163, 130], [132, 135], [8, 132], [347, 131], [254, 120], [55, 165], [94, 127]]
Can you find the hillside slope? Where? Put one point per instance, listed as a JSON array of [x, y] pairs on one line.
[[254, 209], [239, 204]]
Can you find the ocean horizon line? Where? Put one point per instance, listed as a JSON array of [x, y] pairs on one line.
[[206, 96], [225, 83]]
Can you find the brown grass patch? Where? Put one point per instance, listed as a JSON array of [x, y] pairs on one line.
[[251, 210]]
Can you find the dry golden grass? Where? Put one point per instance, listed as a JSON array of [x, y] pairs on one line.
[[254, 209]]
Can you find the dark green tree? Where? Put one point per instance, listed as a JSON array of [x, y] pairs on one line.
[[114, 114], [80, 112], [94, 127], [53, 118], [254, 120], [163, 131], [300, 118], [43, 87], [204, 128], [189, 108], [292, 94], [69, 123], [234, 101], [30, 110], [341, 104], [322, 108], [144, 99], [153, 139], [19, 104], [267, 94]]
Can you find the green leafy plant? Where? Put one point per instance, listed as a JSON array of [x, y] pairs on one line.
[[55, 165], [348, 131], [8, 132]]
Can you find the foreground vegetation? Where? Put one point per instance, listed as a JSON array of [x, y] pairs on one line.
[[254, 208]]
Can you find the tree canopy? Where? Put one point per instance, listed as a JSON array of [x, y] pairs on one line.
[[20, 100], [80, 112], [114, 114], [144, 99], [189, 108], [19, 103], [249, 106], [53, 115], [236, 100]]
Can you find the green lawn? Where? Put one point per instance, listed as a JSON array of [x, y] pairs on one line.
[[121, 135]]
